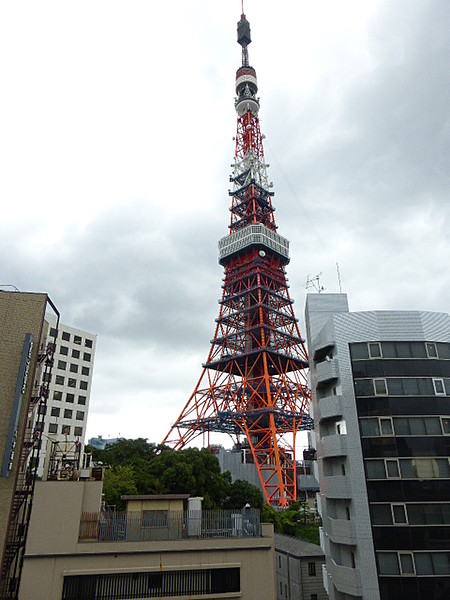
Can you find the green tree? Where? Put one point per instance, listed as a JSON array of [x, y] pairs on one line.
[[242, 493], [118, 481]]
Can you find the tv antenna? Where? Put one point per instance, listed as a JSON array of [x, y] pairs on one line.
[[314, 282]]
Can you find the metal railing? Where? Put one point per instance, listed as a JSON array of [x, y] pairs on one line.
[[159, 525]]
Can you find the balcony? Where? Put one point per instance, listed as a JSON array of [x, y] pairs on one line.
[[327, 372], [345, 579], [340, 531], [152, 526], [336, 486], [330, 407], [334, 445]]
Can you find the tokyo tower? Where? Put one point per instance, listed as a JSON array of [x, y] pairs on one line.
[[253, 383]]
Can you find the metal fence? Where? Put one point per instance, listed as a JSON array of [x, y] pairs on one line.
[[159, 525]]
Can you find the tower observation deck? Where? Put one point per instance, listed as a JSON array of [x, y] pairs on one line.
[[253, 384]]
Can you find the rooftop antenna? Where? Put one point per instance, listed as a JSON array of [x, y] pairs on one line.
[[315, 283], [339, 277], [243, 36]]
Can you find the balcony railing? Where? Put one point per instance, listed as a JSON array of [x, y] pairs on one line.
[[150, 526]]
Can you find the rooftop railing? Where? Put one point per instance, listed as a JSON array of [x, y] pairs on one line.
[[159, 525]]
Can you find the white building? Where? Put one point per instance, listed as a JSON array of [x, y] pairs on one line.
[[70, 389]]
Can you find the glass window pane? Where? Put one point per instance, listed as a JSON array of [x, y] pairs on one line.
[[388, 563], [416, 514], [403, 350], [441, 563], [424, 564], [417, 426], [446, 424], [410, 387], [392, 468], [395, 387], [442, 467], [418, 350], [406, 563], [381, 514], [401, 426], [389, 350], [380, 387], [364, 387], [370, 427], [386, 427], [432, 426], [375, 469], [445, 509], [359, 351], [443, 350], [447, 386], [375, 350], [425, 387], [431, 350], [408, 469], [439, 386], [398, 510], [432, 514]]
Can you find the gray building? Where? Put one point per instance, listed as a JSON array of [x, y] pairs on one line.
[[298, 566], [381, 387]]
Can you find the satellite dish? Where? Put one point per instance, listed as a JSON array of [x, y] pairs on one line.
[[262, 253]]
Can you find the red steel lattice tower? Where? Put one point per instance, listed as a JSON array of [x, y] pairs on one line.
[[253, 383]]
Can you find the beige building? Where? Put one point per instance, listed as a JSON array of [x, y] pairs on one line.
[[24, 356], [161, 547]]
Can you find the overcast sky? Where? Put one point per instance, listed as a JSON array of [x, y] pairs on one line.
[[116, 127]]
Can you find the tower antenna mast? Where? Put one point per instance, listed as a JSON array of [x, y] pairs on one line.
[[253, 385]]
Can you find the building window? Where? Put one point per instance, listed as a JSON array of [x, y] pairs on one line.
[[66, 430], [72, 382], [83, 385], [392, 468], [375, 350], [75, 354], [406, 563], [64, 350], [42, 409], [86, 356], [55, 411], [53, 428], [399, 514], [380, 387], [313, 596], [70, 397], [82, 400], [67, 413], [88, 343], [80, 415], [311, 569], [66, 336], [431, 350], [78, 431], [53, 332], [73, 368], [445, 425], [439, 388], [62, 364], [85, 371], [77, 340], [59, 380], [57, 395]]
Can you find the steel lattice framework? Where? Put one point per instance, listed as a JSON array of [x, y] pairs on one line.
[[253, 383]]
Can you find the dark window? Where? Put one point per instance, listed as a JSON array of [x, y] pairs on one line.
[[59, 380], [53, 428], [73, 368], [67, 413], [190, 582], [75, 354], [313, 596], [446, 425], [381, 514], [392, 468], [57, 395], [88, 343], [77, 339], [406, 563], [388, 563], [431, 350], [82, 400], [85, 370], [55, 411], [83, 385], [47, 377], [62, 364], [380, 387], [359, 351], [70, 397], [375, 350], [399, 514], [86, 356], [443, 350], [42, 409], [311, 569], [72, 382], [80, 415], [64, 350], [78, 431], [53, 332], [66, 336], [439, 389], [66, 430]]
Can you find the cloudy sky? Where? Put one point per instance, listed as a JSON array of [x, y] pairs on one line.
[[116, 127]]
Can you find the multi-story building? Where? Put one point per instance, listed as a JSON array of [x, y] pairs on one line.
[[298, 567], [24, 357], [67, 407], [381, 387]]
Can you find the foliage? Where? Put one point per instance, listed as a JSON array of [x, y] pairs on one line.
[[118, 481], [242, 493], [298, 521]]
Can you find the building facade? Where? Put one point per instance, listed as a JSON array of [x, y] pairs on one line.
[[65, 418], [381, 403], [25, 355], [298, 566], [154, 550]]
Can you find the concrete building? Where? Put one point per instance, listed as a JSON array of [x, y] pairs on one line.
[[298, 566], [155, 549], [24, 356], [65, 418], [381, 387]]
